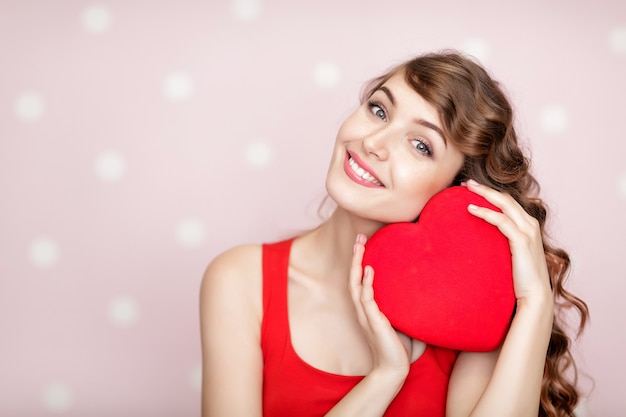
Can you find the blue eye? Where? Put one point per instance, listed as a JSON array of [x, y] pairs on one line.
[[422, 147], [377, 110]]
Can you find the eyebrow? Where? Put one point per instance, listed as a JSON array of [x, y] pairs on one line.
[[433, 127], [422, 122]]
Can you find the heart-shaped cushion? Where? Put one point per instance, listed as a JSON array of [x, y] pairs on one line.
[[445, 280]]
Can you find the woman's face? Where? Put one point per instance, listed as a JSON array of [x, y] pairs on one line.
[[390, 156]]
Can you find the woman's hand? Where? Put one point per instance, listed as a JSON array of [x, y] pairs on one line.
[[530, 271], [508, 381], [392, 351]]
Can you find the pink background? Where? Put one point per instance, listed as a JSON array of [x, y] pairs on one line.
[[138, 139]]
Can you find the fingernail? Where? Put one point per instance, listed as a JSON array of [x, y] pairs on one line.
[[473, 183], [360, 238], [472, 207]]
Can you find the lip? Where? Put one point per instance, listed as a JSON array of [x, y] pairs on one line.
[[350, 173]]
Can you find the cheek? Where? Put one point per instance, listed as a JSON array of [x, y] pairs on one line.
[[353, 127], [422, 179], [444, 173], [419, 186], [342, 137], [412, 198]]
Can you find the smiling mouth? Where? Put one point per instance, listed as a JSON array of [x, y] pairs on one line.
[[363, 174]]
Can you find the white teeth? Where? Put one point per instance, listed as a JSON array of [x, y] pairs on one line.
[[362, 173]]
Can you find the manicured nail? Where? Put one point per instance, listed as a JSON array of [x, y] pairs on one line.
[[473, 183], [356, 242], [472, 207]]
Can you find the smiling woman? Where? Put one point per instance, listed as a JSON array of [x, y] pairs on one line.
[[394, 136], [292, 327]]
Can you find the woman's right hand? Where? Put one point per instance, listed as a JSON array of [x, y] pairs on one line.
[[392, 351]]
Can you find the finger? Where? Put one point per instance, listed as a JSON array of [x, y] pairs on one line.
[[417, 349], [356, 270], [384, 338], [374, 316], [356, 278], [527, 229], [367, 292], [500, 220], [503, 201]]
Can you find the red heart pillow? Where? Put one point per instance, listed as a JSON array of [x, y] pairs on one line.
[[445, 280]]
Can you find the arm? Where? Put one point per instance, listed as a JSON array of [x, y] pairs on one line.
[[508, 382], [230, 317], [505, 382]]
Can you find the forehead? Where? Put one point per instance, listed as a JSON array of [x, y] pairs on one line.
[[404, 96]]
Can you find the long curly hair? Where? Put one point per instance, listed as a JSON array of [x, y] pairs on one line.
[[478, 118]]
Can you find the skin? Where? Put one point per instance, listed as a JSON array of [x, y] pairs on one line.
[[348, 334]]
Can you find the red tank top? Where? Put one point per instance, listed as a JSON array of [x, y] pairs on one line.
[[291, 387]]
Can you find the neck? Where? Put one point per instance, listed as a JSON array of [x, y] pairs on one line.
[[333, 242]]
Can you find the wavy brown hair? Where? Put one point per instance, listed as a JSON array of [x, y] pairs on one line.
[[478, 118]]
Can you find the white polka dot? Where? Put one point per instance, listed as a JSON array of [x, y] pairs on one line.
[[123, 311], [58, 398], [29, 106], [618, 40], [195, 377], [96, 19], [258, 154], [246, 10], [110, 166], [190, 232], [326, 74], [581, 409], [43, 252], [477, 48], [621, 186], [178, 86], [554, 119]]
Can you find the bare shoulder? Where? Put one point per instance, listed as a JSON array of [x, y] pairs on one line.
[[234, 277], [236, 263], [231, 297]]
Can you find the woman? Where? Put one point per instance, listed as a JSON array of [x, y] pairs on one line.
[[292, 328]]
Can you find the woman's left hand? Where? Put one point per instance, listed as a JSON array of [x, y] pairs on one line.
[[391, 349], [530, 272]]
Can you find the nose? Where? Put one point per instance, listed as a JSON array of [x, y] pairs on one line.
[[377, 144]]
